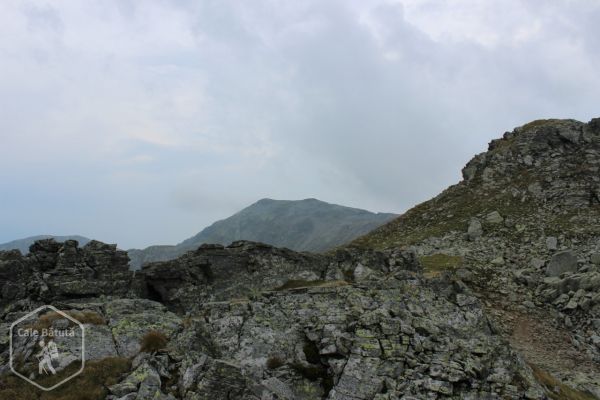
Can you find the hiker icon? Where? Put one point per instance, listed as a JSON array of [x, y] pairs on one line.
[[48, 353]]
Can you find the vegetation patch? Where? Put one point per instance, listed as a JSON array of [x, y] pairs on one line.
[[557, 390], [275, 362], [91, 384], [539, 123], [85, 317], [450, 212], [153, 341], [436, 264]]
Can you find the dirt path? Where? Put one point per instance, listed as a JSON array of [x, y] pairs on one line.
[[543, 345]]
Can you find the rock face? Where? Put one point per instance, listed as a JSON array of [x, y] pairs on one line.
[[57, 271], [354, 342], [217, 273]]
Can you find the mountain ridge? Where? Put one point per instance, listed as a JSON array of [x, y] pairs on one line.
[[301, 225]]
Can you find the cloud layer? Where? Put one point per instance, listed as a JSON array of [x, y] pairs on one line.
[[140, 123]]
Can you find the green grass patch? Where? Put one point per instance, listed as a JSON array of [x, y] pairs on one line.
[[436, 264], [538, 123], [448, 212]]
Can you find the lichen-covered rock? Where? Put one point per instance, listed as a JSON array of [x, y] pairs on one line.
[[130, 319], [399, 336], [243, 269]]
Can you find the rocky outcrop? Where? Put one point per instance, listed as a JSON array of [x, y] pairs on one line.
[[394, 338], [217, 273], [56, 271]]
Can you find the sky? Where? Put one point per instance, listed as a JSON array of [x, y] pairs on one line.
[[140, 123]]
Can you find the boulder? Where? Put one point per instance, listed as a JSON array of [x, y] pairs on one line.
[[551, 243], [564, 261], [475, 229], [494, 218]]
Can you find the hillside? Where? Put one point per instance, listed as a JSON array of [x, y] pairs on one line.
[[23, 244], [523, 230], [543, 176], [302, 225]]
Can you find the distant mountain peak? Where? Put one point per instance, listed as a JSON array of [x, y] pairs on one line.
[[303, 225]]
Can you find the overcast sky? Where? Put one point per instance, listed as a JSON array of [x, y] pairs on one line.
[[140, 123]]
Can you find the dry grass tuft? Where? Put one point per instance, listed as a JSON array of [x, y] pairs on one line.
[[557, 390], [153, 341], [85, 317], [298, 284], [275, 362], [91, 384]]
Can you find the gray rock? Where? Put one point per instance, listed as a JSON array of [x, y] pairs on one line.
[[130, 319], [595, 258], [498, 261], [564, 261], [551, 243], [494, 218], [99, 342], [537, 263], [528, 304], [475, 229], [438, 386], [362, 273]]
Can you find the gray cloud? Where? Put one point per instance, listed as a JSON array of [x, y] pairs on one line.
[[141, 123]]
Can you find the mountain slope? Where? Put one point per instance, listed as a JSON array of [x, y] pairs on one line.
[[23, 244], [522, 229], [546, 170], [302, 225]]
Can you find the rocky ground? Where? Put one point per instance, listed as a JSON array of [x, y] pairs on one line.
[[488, 291], [255, 322]]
